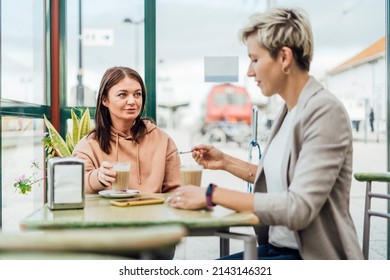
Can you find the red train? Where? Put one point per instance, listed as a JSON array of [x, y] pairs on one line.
[[228, 103]]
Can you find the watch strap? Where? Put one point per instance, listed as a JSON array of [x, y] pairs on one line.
[[209, 195]]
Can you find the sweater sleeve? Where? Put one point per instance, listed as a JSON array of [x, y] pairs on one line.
[[84, 150]]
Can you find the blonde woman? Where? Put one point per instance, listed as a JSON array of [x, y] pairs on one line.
[[302, 183]]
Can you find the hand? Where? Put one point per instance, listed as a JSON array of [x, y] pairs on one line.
[[105, 175], [208, 156], [188, 197]]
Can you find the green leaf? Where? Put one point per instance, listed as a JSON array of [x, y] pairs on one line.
[[64, 148], [23, 186], [55, 145], [69, 141], [85, 124], [75, 128], [58, 143]]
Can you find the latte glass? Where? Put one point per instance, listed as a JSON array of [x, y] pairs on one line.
[[122, 170], [191, 174]]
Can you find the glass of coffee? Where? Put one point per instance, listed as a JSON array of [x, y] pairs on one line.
[[191, 174], [122, 170]]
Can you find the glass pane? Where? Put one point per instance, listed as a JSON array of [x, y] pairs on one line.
[[23, 51], [190, 31], [113, 35], [21, 146], [192, 110], [349, 58]]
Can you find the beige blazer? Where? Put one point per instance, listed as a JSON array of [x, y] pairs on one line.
[[317, 171]]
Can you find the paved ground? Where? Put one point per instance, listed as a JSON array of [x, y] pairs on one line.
[[369, 155]]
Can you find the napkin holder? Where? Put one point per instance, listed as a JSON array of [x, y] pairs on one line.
[[65, 183]]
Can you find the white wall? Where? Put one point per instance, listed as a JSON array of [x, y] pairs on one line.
[[365, 81]]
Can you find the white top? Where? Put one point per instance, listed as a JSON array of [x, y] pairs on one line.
[[279, 236]]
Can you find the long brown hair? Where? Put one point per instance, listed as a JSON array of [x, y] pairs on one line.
[[103, 120]]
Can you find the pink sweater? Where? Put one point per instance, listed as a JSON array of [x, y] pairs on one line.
[[155, 163]]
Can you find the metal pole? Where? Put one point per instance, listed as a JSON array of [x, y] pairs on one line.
[[136, 40], [80, 87], [150, 57], [388, 116], [1, 145], [136, 33], [253, 142], [366, 120], [255, 113], [250, 243]]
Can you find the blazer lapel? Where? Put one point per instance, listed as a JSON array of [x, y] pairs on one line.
[[311, 88]]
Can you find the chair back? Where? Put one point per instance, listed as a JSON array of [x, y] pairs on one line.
[[368, 212]]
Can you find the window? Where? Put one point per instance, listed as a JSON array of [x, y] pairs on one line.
[[112, 35], [23, 51], [23, 100]]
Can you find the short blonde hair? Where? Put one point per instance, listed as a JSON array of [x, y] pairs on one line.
[[281, 27]]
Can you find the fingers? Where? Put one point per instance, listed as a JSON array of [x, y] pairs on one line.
[[103, 178], [188, 197], [176, 200], [105, 175], [202, 148], [199, 152], [106, 165], [198, 147], [197, 156]]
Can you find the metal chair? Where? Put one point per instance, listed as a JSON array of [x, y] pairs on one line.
[[368, 212]]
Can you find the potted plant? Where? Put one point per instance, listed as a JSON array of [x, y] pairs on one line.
[[56, 146]]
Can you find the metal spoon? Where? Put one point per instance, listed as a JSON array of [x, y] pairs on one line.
[[186, 152]]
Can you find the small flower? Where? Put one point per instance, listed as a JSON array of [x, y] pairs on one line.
[[21, 178], [24, 184]]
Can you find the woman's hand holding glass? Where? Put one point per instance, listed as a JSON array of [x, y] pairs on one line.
[[105, 175]]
